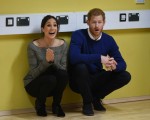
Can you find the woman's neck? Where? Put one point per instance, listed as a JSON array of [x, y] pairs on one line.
[[48, 42], [44, 42]]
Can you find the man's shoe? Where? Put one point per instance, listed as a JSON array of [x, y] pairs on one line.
[[56, 109], [87, 110], [40, 109], [98, 105]]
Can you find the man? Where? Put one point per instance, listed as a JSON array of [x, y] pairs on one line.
[[90, 50]]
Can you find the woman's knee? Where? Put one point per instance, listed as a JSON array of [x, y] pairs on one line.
[[51, 80], [63, 76]]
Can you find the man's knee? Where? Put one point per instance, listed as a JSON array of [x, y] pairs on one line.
[[126, 77], [81, 69]]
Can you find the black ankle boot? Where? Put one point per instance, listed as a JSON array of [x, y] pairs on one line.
[[87, 109], [56, 109], [97, 104], [40, 109]]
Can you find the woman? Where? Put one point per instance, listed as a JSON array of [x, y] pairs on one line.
[[47, 75]]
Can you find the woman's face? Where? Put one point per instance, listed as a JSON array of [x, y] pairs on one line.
[[50, 29]]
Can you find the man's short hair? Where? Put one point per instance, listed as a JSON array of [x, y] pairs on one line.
[[96, 12]]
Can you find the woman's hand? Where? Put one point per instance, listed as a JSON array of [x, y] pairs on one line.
[[49, 55]]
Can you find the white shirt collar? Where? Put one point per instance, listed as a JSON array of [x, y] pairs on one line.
[[93, 37]]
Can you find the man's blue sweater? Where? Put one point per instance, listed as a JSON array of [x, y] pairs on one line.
[[85, 50]]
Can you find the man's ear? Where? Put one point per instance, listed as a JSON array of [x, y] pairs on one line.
[[104, 22], [87, 21]]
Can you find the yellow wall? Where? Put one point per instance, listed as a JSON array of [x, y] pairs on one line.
[[134, 45]]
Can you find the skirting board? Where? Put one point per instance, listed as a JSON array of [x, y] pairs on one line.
[[77, 105]]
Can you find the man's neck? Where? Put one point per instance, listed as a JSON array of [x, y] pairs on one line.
[[92, 37]]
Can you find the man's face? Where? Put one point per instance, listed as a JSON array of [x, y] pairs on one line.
[[96, 24]]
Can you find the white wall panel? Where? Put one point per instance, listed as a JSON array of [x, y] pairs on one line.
[[113, 20], [75, 20]]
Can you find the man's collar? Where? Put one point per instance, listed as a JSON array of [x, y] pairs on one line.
[[92, 36]]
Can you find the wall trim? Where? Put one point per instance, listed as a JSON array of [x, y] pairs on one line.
[[77, 105], [70, 21]]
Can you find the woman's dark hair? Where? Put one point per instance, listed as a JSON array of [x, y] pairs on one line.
[[46, 18]]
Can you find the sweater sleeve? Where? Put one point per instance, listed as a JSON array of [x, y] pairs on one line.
[[36, 66], [115, 53], [63, 58], [75, 53]]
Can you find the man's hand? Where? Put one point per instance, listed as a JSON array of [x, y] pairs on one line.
[[108, 62]]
